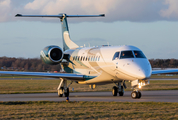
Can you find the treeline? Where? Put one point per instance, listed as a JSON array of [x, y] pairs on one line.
[[164, 63], [21, 64], [36, 64]]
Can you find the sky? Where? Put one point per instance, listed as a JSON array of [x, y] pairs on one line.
[[151, 25]]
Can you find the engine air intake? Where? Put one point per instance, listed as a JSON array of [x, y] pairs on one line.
[[52, 55]]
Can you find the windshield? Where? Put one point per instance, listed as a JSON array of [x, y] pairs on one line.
[[126, 54], [139, 54], [116, 56]]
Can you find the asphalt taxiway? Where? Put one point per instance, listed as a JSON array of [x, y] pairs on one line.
[[147, 96]]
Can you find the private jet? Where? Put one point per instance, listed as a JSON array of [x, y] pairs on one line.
[[96, 65]]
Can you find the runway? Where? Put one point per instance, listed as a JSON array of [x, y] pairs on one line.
[[147, 96]]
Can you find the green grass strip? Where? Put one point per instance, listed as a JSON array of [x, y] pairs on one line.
[[88, 110]]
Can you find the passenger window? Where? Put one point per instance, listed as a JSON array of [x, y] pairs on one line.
[[96, 58], [126, 54], [81, 58], [89, 58], [84, 58], [116, 56], [78, 58], [99, 58]]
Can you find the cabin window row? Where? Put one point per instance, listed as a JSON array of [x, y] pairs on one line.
[[86, 58]]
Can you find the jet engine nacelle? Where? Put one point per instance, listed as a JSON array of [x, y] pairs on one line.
[[52, 55]]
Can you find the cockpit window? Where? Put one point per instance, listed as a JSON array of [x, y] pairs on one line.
[[116, 56], [126, 54], [139, 54]]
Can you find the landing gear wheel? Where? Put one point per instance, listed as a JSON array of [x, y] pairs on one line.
[[66, 94], [114, 91], [60, 92], [121, 93], [139, 94], [134, 94]]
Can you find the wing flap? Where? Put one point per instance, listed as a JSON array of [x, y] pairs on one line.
[[69, 76]]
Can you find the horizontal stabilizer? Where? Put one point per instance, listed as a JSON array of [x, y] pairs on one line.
[[59, 16]]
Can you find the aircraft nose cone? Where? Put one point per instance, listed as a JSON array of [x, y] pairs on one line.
[[143, 74], [140, 69], [136, 68]]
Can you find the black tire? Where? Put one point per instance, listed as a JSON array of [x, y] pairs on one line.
[[134, 94], [61, 90], [139, 94], [122, 91], [114, 91], [66, 94]]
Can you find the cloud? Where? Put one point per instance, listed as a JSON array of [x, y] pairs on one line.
[[115, 10], [172, 11], [4, 9]]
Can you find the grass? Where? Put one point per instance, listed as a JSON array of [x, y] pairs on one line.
[[164, 76], [88, 110], [50, 85], [83, 110], [41, 85]]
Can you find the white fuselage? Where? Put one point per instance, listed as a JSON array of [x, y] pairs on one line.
[[100, 62]]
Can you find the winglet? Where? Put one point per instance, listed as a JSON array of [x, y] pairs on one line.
[[102, 15], [18, 15]]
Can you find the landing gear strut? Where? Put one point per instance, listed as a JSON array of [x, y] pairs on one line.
[[63, 89]]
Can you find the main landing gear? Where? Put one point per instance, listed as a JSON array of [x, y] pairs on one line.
[[118, 89], [63, 89]]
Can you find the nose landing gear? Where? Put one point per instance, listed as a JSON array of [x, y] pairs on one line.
[[136, 94], [136, 85]]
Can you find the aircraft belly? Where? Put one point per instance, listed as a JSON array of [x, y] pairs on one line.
[[102, 78]]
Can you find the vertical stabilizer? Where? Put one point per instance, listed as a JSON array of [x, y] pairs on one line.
[[67, 42]]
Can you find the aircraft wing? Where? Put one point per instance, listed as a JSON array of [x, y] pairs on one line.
[[164, 71], [69, 76]]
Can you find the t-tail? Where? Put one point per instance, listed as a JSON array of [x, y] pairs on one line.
[[67, 42]]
